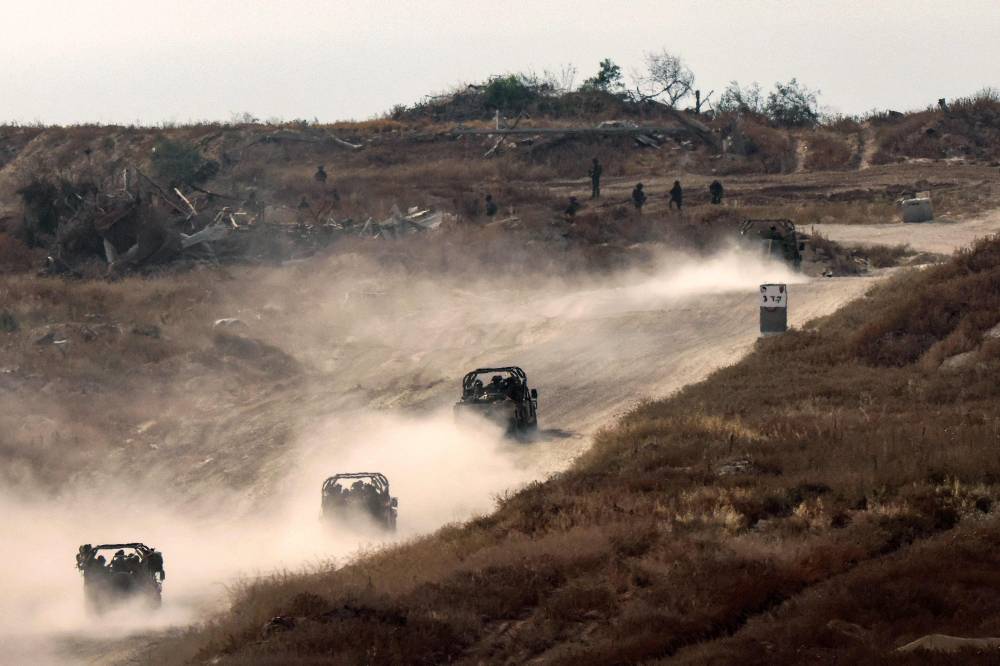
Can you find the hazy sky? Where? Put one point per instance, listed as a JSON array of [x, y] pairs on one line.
[[68, 61]]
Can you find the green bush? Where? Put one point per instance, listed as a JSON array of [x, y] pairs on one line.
[[178, 163], [792, 105], [508, 93]]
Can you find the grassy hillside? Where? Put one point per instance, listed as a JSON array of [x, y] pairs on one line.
[[418, 160], [828, 498]]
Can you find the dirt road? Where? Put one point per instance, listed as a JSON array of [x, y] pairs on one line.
[[939, 237]]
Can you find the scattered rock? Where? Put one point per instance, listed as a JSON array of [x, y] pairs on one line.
[[52, 338], [959, 361], [278, 624], [143, 427], [993, 333], [230, 324], [738, 466], [950, 644]]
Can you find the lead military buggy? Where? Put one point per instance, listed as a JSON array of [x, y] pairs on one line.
[[135, 571], [504, 398], [366, 493]]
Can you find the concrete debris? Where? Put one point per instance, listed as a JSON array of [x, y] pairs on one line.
[[216, 232], [496, 146], [648, 140], [608, 124], [917, 209], [398, 225], [738, 466], [229, 324], [142, 225], [52, 338]]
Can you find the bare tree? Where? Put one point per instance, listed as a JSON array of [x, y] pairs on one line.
[[666, 79], [562, 81]]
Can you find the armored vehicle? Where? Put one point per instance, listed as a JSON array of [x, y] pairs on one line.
[[360, 492], [135, 571], [774, 238], [501, 395]]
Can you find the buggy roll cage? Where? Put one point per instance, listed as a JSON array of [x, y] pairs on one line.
[[470, 377], [784, 224], [377, 479], [140, 548]]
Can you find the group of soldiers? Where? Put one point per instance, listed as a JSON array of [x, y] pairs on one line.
[[639, 196], [676, 195], [120, 562], [512, 388], [360, 492]]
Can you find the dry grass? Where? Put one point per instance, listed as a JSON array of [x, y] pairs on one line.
[[830, 151], [807, 213], [772, 149], [970, 128], [842, 260]]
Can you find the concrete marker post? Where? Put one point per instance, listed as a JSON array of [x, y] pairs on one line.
[[773, 309]]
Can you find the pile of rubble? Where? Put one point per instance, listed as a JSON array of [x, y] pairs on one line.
[[138, 223]]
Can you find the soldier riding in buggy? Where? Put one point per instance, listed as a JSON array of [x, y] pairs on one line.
[[366, 493], [134, 572], [504, 399]]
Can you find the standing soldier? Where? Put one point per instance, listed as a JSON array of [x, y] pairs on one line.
[[303, 211], [638, 197], [676, 195], [595, 179], [491, 206], [320, 175], [715, 191], [572, 208]]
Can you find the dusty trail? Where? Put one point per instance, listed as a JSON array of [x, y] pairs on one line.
[[868, 141], [938, 237]]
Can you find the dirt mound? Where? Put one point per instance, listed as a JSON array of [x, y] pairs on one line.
[[969, 128]]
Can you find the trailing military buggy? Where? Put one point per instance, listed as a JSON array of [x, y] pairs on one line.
[[135, 572], [504, 398], [346, 496]]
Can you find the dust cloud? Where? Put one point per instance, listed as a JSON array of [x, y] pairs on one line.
[[592, 345], [442, 471], [676, 277]]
